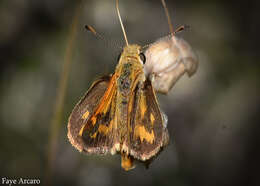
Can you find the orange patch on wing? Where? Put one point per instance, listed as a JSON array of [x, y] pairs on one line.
[[93, 120], [105, 129], [94, 135], [152, 118], [143, 134], [142, 106], [81, 130], [106, 99], [107, 96], [85, 115]]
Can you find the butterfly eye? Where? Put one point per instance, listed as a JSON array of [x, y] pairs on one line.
[[118, 57], [143, 58]]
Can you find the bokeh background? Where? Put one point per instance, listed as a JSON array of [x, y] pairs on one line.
[[213, 117]]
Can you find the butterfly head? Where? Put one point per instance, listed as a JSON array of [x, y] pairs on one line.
[[132, 53]]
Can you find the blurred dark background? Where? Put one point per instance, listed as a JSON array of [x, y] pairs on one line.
[[213, 116]]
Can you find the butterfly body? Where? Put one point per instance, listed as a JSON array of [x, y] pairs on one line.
[[130, 75]]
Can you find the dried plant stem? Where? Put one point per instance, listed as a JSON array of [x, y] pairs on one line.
[[55, 124]]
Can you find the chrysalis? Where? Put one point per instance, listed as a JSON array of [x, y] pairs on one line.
[[168, 59]]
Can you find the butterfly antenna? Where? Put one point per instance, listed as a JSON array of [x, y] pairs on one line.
[[181, 28], [168, 17], [93, 31], [122, 26]]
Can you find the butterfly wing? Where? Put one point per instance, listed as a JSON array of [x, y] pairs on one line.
[[91, 121], [149, 133]]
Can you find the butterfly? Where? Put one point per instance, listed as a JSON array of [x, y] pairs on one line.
[[120, 113]]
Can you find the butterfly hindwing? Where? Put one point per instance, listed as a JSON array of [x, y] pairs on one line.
[[91, 121], [147, 125]]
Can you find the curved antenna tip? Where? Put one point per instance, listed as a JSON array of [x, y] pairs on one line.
[[91, 29]]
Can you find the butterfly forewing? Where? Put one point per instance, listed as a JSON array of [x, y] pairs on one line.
[[148, 133], [91, 121]]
